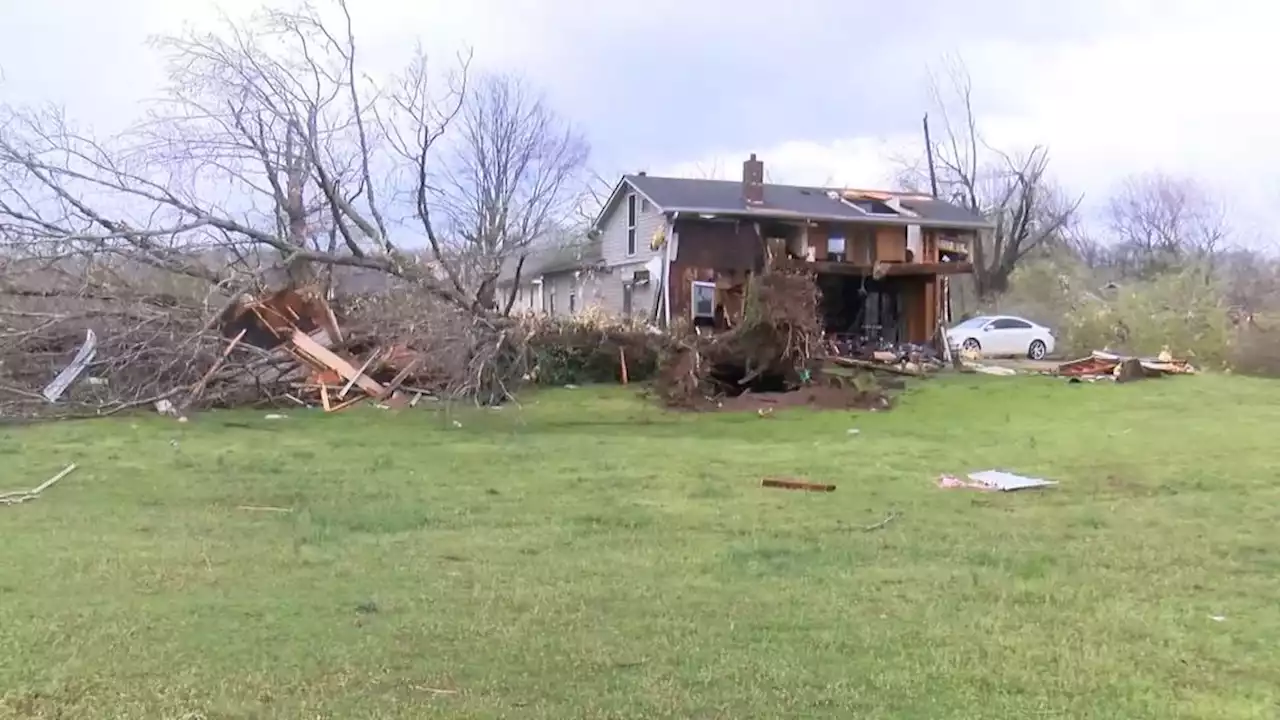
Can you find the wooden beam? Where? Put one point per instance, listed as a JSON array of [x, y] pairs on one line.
[[790, 484], [326, 357], [891, 269]]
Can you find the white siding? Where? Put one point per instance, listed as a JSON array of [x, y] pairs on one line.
[[588, 287], [613, 229], [611, 291]]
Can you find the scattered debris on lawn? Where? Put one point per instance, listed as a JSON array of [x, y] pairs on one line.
[[994, 480], [1121, 368], [900, 359], [21, 496], [791, 484], [989, 369], [264, 508], [876, 526]]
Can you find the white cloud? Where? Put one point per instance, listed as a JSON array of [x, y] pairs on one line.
[[1189, 93], [855, 162]]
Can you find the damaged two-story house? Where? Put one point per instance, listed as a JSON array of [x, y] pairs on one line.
[[683, 248]]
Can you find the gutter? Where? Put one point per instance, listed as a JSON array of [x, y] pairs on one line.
[[851, 219]]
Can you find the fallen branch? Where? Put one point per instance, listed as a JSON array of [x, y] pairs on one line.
[[204, 380], [21, 496], [891, 517]]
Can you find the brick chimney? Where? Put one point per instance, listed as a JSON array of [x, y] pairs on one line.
[[753, 181]]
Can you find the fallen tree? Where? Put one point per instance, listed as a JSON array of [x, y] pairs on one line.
[[773, 347]]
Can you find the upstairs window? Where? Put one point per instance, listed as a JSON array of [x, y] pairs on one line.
[[631, 224], [835, 248]]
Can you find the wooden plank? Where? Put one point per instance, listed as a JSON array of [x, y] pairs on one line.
[[342, 394], [327, 357], [399, 379], [789, 484]]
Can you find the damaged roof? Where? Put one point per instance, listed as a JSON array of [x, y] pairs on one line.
[[561, 258], [725, 197]]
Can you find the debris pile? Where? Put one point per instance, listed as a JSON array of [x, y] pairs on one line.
[[1120, 368], [78, 356], [909, 359], [772, 357], [290, 324]]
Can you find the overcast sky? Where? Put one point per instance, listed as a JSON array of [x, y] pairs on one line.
[[822, 91]]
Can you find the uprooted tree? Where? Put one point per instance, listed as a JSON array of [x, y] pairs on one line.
[[272, 158], [1011, 189]]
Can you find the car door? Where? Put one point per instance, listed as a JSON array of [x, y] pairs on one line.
[[994, 338], [1014, 336]]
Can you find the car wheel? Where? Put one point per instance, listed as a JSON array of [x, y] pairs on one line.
[[972, 345], [1037, 351]]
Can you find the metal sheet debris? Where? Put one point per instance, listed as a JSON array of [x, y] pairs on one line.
[[996, 480], [1007, 482], [69, 374]]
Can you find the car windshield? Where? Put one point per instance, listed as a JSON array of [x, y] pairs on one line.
[[972, 323]]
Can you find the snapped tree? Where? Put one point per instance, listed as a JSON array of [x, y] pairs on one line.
[[1011, 189]]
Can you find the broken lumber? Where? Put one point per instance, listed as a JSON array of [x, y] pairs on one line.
[[328, 358], [789, 484], [342, 394]]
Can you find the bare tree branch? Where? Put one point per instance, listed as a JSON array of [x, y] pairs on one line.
[[510, 182], [265, 137], [1013, 190], [1160, 222]]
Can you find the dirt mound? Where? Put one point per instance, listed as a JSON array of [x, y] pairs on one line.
[[823, 397]]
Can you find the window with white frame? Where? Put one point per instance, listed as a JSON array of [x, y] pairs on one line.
[[704, 299], [573, 301], [835, 247], [631, 224]]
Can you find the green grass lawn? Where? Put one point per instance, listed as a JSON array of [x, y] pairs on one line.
[[590, 556]]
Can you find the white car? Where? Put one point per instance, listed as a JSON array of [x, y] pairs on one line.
[[996, 335]]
